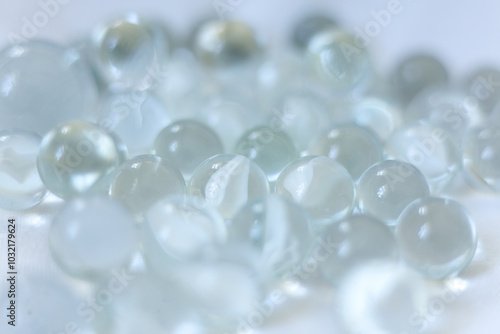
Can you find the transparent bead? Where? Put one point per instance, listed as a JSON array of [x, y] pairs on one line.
[[429, 148], [271, 150], [90, 236], [77, 157], [481, 157], [382, 297], [20, 186], [351, 242], [305, 29], [387, 187], [483, 85], [145, 179], [227, 182], [36, 70], [336, 59], [415, 73], [135, 116], [320, 185], [278, 229], [350, 145], [186, 144], [436, 237]]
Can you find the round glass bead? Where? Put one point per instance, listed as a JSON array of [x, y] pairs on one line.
[[429, 148], [135, 116], [353, 241], [227, 182], [352, 146], [92, 235], [337, 59], [271, 150], [481, 157], [20, 184], [323, 187], [415, 73], [145, 179], [483, 85], [77, 157], [186, 144], [436, 237], [30, 73], [387, 187], [309, 26], [278, 229]]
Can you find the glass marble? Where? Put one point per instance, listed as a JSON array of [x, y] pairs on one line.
[[77, 157], [278, 228], [351, 242], [20, 184], [271, 150], [37, 70], [481, 157], [308, 26], [416, 72], [381, 297], [135, 116], [186, 144], [322, 186], [145, 179], [483, 84], [429, 148], [386, 188], [336, 59], [436, 237], [92, 235], [352, 146], [228, 181]]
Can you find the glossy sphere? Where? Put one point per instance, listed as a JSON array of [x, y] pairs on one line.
[[353, 242], [387, 187], [436, 237], [271, 150], [381, 297], [320, 185], [429, 148], [336, 59], [417, 72], [135, 116], [186, 144], [37, 70], [93, 235], [278, 228], [350, 145], [481, 157], [20, 185], [483, 85], [308, 26], [227, 182], [77, 157], [143, 180]]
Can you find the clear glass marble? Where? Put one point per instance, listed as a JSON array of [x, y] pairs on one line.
[[145, 179], [483, 85], [351, 242], [386, 188], [382, 297], [271, 150], [135, 116], [36, 70], [416, 72], [278, 229], [352, 146], [429, 148], [20, 184], [436, 237], [186, 144], [228, 181], [308, 26], [77, 157], [337, 59], [92, 235], [322, 186], [481, 157]]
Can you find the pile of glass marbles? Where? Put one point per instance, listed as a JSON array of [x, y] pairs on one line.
[[230, 177]]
